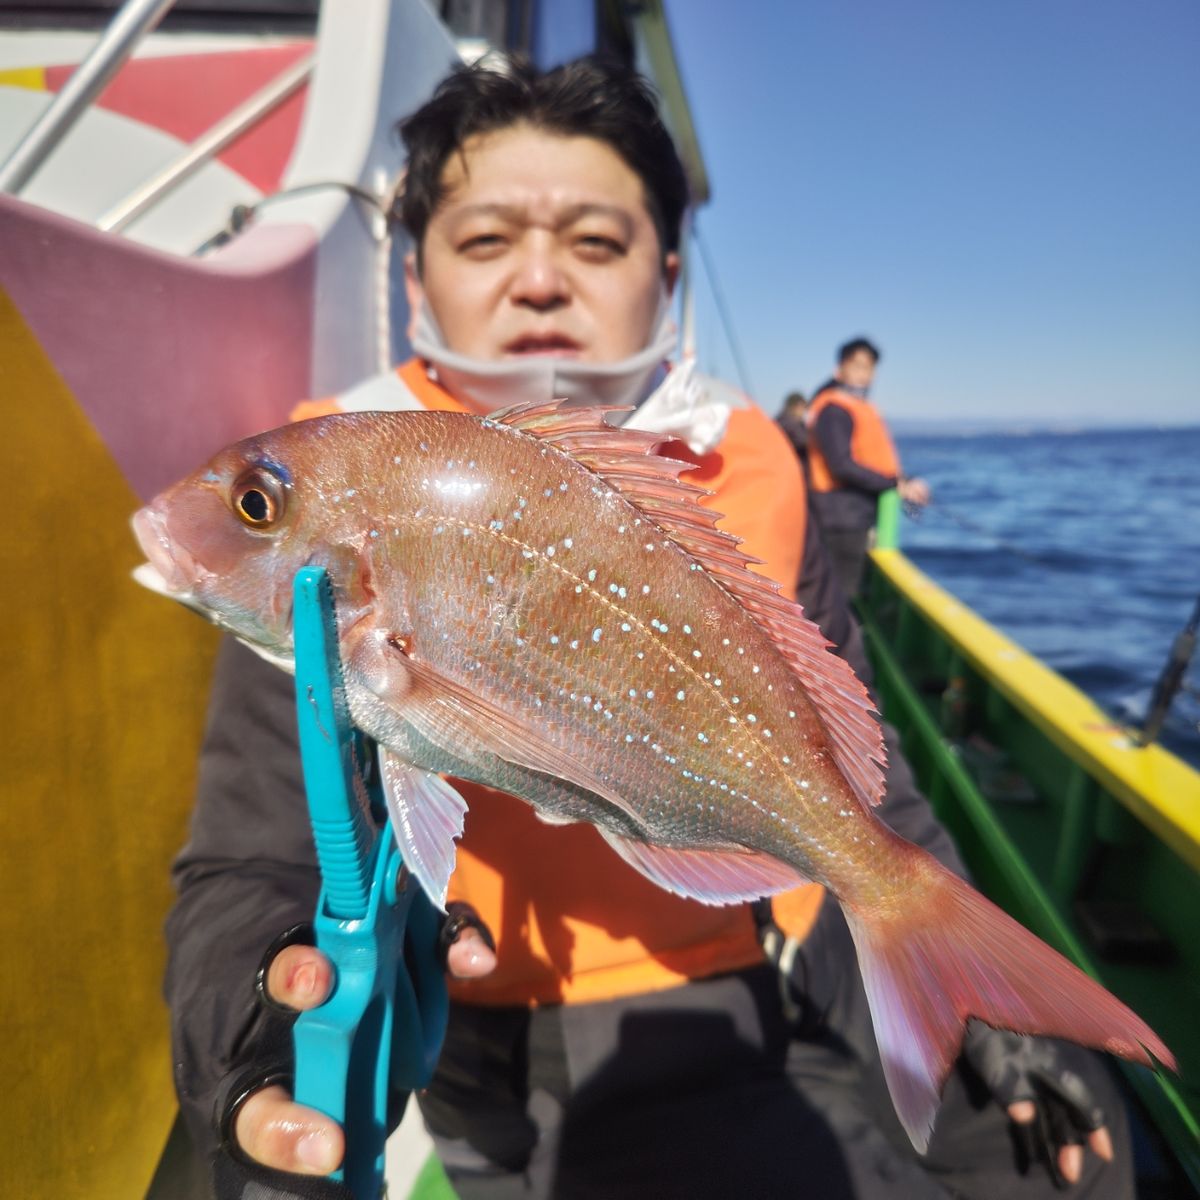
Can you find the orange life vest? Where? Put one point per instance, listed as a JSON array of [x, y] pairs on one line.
[[573, 923], [870, 443]]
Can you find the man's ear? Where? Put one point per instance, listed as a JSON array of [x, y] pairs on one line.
[[671, 272], [414, 292]]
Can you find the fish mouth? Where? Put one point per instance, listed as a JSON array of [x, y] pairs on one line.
[[170, 570]]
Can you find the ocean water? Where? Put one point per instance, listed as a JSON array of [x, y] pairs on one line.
[[1082, 547]]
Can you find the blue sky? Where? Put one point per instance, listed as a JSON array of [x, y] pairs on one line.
[[1004, 194]]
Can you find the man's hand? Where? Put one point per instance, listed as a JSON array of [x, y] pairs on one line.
[[914, 491], [1046, 1097], [270, 1127]]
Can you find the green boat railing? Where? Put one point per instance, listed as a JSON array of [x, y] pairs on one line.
[[1089, 839]]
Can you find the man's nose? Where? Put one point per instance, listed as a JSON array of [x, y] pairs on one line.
[[539, 281]]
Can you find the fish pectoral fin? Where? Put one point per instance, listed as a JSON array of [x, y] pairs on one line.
[[426, 815], [731, 876]]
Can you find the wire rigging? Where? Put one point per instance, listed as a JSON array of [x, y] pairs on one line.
[[714, 284]]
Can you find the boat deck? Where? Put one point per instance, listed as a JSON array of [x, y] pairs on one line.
[[1089, 839]]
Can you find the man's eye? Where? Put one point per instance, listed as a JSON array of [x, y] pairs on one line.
[[482, 244], [597, 246]]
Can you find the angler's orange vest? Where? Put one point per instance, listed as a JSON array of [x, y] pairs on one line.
[[572, 921], [870, 443]]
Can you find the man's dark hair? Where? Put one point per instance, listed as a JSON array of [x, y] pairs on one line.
[[590, 97], [854, 345]]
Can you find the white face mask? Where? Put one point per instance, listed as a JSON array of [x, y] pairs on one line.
[[677, 404], [486, 385]]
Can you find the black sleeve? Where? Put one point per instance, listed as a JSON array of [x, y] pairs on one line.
[[824, 602], [832, 431], [797, 434], [248, 872]]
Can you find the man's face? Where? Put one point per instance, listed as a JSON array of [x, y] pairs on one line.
[[543, 246], [858, 370]]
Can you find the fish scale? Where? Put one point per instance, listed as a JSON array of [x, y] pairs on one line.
[[579, 610], [535, 602]]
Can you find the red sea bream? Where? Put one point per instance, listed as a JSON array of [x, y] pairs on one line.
[[533, 601]]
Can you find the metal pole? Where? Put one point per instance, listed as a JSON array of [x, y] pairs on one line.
[[208, 145], [687, 293], [132, 22]]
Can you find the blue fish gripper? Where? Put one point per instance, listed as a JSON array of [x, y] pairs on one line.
[[380, 1031]]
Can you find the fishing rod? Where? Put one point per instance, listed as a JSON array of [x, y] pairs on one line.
[[1170, 681], [983, 531]]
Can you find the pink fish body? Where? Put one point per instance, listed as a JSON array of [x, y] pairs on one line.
[[534, 602]]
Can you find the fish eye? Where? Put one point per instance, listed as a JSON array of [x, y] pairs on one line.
[[258, 498]]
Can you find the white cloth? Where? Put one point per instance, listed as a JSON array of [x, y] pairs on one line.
[[678, 403]]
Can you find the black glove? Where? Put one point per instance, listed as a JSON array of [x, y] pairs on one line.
[[1047, 1072], [236, 1178], [460, 916]]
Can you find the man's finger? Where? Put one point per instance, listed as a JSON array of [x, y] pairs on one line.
[[1070, 1162], [470, 957], [300, 977], [1022, 1111], [1100, 1141], [286, 1136]]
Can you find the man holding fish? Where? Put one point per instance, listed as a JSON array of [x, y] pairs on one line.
[[607, 1037]]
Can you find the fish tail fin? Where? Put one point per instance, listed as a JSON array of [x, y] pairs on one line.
[[948, 955]]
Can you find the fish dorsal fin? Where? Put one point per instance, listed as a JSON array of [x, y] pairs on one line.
[[625, 460]]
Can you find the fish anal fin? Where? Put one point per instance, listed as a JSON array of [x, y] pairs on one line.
[[626, 461], [731, 876], [427, 815]]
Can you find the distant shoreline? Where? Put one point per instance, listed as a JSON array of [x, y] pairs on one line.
[[1017, 428]]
